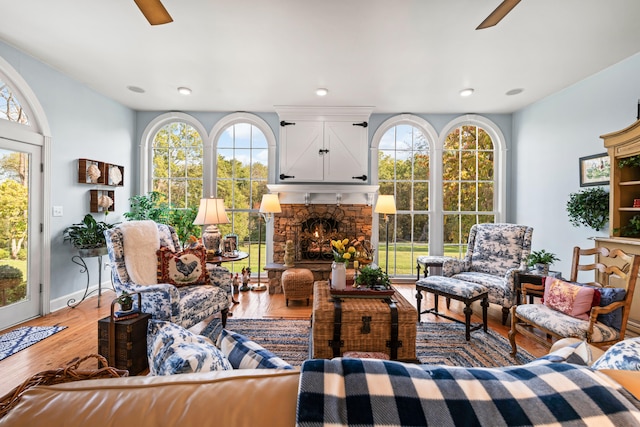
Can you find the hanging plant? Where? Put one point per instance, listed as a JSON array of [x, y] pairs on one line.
[[589, 207]]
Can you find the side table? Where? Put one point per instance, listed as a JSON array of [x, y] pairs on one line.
[[124, 342], [530, 277], [79, 260]]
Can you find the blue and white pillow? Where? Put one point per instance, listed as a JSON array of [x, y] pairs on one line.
[[623, 355], [171, 349], [243, 353]]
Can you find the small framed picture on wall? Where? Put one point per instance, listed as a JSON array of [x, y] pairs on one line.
[[595, 170]]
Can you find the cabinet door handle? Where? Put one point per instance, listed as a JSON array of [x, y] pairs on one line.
[[323, 151], [283, 176], [283, 123], [363, 124], [362, 177]]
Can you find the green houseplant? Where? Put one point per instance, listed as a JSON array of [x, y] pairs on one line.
[[629, 162], [541, 260], [589, 207], [373, 278], [88, 236], [125, 301]]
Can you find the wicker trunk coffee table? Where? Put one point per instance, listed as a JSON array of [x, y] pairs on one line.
[[362, 325]]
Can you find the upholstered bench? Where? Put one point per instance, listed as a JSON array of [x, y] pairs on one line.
[[297, 283], [450, 288]]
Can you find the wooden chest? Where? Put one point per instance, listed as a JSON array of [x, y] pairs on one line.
[[129, 340], [365, 325]]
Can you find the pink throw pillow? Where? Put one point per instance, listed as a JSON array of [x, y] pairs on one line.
[[568, 298]]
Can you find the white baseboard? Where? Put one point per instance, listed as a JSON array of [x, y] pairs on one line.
[[107, 296]]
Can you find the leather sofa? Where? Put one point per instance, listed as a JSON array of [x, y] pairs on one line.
[[245, 397]]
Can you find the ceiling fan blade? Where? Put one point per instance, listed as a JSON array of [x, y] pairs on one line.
[[497, 15], [154, 11]]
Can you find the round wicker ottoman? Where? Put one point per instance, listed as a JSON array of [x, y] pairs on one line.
[[297, 283]]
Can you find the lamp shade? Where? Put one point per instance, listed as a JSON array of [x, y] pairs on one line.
[[270, 204], [386, 204], [211, 211]]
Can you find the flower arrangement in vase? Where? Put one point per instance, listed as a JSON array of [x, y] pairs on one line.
[[342, 254]]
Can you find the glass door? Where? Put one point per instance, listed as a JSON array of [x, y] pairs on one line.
[[20, 250]]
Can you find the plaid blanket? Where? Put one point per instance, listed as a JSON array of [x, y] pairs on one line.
[[368, 392]]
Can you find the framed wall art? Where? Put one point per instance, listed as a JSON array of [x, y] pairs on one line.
[[595, 170]]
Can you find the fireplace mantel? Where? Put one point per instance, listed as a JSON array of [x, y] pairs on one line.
[[324, 193]]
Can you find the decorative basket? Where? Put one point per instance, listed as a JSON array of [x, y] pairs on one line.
[[61, 375]]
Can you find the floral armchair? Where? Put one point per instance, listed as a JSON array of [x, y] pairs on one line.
[[184, 305], [494, 253]]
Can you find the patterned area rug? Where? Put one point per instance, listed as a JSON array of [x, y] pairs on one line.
[[21, 338], [439, 343]]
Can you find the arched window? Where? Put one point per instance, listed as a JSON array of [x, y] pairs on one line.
[[242, 171], [177, 153], [11, 108], [472, 184], [404, 161], [244, 148], [442, 186]]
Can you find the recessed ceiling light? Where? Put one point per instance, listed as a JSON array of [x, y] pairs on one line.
[[135, 89], [322, 91], [466, 92], [515, 91], [184, 90]]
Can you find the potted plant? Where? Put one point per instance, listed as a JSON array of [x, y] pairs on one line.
[[88, 236], [125, 301], [541, 260], [589, 207], [373, 278], [632, 229]]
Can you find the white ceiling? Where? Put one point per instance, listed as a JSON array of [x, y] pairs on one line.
[[393, 55]]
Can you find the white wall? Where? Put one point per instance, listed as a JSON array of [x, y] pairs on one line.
[[83, 124], [549, 138]]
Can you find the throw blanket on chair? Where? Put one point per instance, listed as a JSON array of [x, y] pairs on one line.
[[368, 392], [140, 243]]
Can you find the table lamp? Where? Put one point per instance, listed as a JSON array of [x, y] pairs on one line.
[[270, 205], [210, 213], [386, 205]]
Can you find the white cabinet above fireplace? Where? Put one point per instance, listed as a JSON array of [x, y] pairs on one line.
[[324, 144]]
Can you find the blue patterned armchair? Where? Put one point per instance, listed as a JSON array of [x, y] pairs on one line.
[[184, 305], [494, 253]]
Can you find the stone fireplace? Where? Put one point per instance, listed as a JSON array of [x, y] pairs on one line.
[[311, 216]]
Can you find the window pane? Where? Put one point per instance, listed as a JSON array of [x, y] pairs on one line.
[[177, 194], [468, 196], [450, 196], [485, 165], [484, 140], [485, 196], [10, 107], [420, 196], [421, 165], [451, 166], [420, 232], [468, 166], [403, 196]]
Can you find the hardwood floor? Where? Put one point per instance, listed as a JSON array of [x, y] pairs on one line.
[[80, 338]]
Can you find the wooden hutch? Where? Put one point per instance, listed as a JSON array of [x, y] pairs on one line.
[[625, 188]]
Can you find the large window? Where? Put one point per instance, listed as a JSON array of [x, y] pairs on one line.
[[177, 153], [241, 180], [442, 186], [468, 186], [403, 170]]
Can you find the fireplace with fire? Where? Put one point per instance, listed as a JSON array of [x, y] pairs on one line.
[[311, 228]]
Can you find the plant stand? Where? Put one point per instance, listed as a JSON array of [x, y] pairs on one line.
[[79, 260]]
